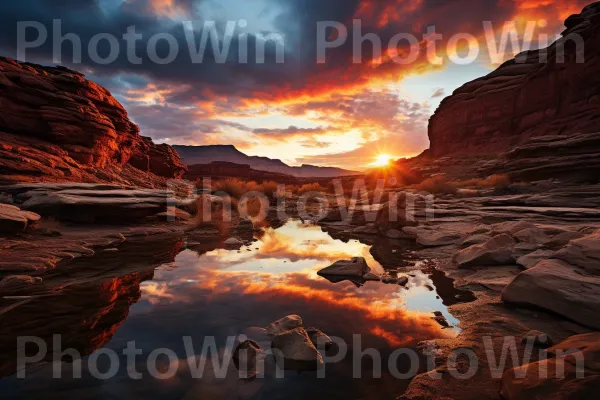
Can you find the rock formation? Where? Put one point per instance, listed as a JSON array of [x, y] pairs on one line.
[[526, 98], [57, 126]]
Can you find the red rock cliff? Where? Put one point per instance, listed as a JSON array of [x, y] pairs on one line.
[[521, 100], [77, 123]]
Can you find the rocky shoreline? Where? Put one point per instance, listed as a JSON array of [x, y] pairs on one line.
[[522, 262]]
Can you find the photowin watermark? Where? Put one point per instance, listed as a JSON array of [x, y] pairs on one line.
[[206, 356], [223, 42], [210, 203]]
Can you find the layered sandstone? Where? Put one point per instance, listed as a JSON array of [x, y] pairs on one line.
[[526, 97], [56, 125]]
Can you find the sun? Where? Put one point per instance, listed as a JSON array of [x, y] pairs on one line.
[[383, 160]]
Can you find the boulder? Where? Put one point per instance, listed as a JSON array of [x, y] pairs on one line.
[[562, 377], [522, 249], [356, 267], [369, 229], [511, 227], [560, 288], [433, 237], [174, 214], [297, 350], [334, 215], [233, 242], [14, 220], [531, 259], [479, 230], [18, 283], [394, 214], [496, 251], [532, 235], [562, 239], [539, 339], [284, 324], [583, 252], [248, 358], [319, 339], [475, 239]]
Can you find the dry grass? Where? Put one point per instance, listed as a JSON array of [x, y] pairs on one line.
[[440, 184], [236, 187]]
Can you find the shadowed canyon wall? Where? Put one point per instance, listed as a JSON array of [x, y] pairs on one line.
[[526, 98]]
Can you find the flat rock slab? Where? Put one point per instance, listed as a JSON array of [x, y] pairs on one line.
[[583, 252], [14, 220], [496, 251], [87, 203]]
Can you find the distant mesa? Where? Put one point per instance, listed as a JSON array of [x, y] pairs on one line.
[[192, 155]]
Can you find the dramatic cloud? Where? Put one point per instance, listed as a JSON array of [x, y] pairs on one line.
[[325, 112]]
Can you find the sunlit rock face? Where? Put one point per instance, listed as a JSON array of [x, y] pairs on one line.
[[525, 98], [59, 122]]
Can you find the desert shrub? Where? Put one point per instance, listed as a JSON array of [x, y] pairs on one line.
[[497, 181], [436, 185], [269, 188], [236, 187], [48, 223], [309, 187]]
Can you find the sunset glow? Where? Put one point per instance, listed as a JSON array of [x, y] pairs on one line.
[[383, 160]]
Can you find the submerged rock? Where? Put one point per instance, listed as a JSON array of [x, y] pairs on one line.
[[496, 251], [356, 267], [233, 242]]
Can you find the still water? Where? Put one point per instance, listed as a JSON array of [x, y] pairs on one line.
[[224, 293]]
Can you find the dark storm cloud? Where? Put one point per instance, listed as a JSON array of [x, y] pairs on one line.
[[270, 81]]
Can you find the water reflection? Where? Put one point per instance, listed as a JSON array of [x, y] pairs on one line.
[[223, 293]]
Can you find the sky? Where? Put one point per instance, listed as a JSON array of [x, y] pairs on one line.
[[338, 112]]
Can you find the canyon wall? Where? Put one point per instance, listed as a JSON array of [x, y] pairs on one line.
[[526, 98], [57, 125]]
